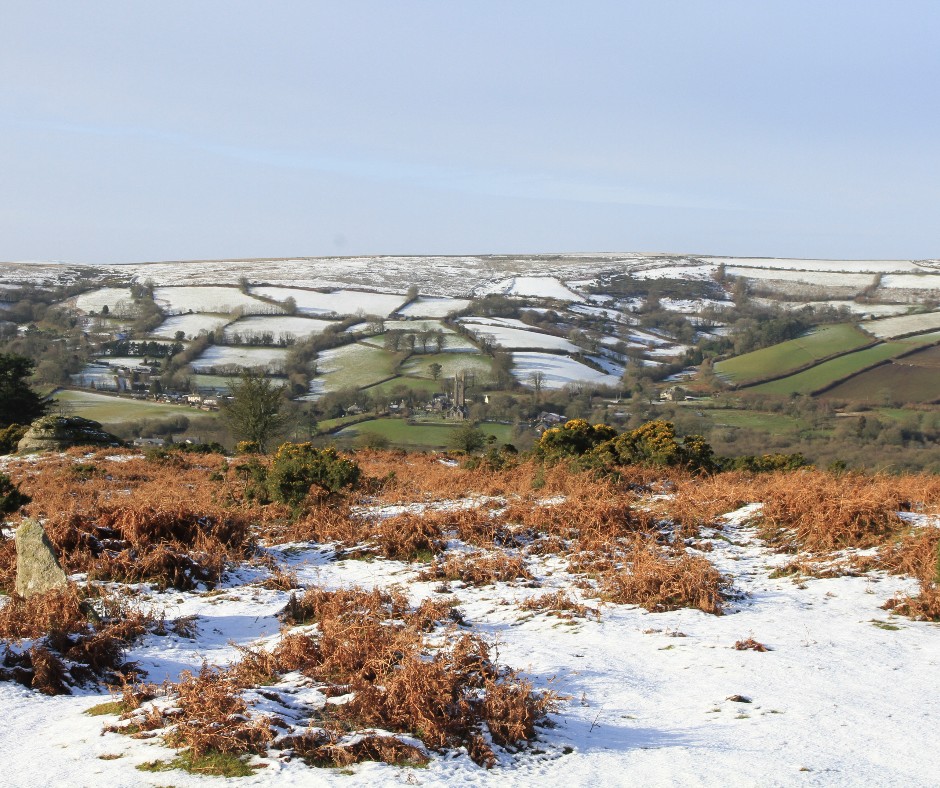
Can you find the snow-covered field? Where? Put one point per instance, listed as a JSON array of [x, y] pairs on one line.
[[811, 277], [557, 371], [277, 325], [218, 356], [118, 300], [416, 326], [340, 302], [511, 338], [191, 325], [433, 307], [856, 308], [922, 281], [891, 327], [844, 266], [221, 300], [844, 695], [542, 287]]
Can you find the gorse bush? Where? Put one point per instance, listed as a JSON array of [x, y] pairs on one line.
[[11, 498], [10, 436], [765, 463], [574, 438], [299, 466], [654, 444]]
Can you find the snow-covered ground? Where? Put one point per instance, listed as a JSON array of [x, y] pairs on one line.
[[191, 325], [215, 356], [416, 326], [542, 287], [118, 300], [903, 324], [433, 307], [811, 277], [511, 338], [845, 266], [223, 300], [557, 371], [921, 281], [278, 326], [340, 302], [844, 695]]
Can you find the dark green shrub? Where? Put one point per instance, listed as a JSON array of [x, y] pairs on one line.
[[765, 463], [654, 444], [11, 499], [10, 436], [573, 439], [299, 466]]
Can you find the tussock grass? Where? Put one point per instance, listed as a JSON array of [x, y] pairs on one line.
[[478, 569], [368, 646], [658, 580], [72, 640]]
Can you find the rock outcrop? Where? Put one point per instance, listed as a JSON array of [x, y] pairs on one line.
[[37, 569], [56, 433]]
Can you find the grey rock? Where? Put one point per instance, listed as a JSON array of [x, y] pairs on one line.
[[37, 569], [56, 433]]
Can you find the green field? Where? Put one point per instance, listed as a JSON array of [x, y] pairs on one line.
[[355, 366], [117, 410], [431, 435], [827, 372], [422, 385], [914, 378], [792, 355], [452, 364]]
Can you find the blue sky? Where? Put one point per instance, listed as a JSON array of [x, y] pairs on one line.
[[134, 131]]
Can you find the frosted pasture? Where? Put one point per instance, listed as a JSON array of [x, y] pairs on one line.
[[531, 287], [220, 356], [904, 324], [692, 305], [352, 366], [277, 325], [558, 371], [543, 287], [416, 326], [433, 307], [922, 281], [340, 302], [511, 338], [223, 300], [821, 278], [121, 361], [692, 271], [191, 325], [875, 310], [793, 264], [118, 300]]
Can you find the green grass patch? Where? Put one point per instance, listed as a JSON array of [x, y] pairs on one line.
[[424, 385], [108, 707], [423, 435], [794, 354], [355, 366], [216, 764], [452, 364], [116, 410], [827, 372]]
